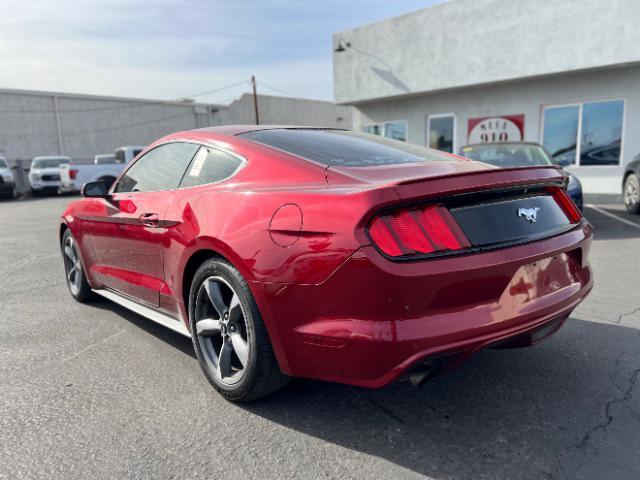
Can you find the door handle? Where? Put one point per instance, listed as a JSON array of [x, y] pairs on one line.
[[150, 219]]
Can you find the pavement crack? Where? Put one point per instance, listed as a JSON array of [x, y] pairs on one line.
[[628, 314], [33, 257], [387, 412], [628, 393], [92, 345], [601, 426]]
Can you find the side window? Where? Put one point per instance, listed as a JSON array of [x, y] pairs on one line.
[[159, 169], [210, 165]]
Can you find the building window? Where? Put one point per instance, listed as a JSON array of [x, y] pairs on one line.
[[584, 134], [441, 132], [372, 129], [396, 130]]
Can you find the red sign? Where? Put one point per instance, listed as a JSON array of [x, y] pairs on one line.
[[505, 128]]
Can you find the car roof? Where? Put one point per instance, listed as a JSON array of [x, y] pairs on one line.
[[52, 157], [240, 129]]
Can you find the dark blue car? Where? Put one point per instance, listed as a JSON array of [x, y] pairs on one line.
[[519, 154]]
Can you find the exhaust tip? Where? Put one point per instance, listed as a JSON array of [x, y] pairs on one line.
[[422, 373]]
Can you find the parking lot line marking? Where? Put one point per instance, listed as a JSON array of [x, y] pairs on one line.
[[613, 215]]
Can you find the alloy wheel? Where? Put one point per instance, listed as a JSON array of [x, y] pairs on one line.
[[222, 330], [631, 192], [72, 265]]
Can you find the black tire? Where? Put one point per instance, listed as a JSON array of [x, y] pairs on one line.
[[631, 192], [9, 195], [261, 375], [78, 286]]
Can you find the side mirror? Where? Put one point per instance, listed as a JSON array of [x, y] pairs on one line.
[[95, 190]]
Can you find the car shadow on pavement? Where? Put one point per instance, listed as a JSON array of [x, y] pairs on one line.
[[168, 336], [567, 408], [528, 413]]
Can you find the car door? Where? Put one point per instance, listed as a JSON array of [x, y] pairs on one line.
[[128, 240]]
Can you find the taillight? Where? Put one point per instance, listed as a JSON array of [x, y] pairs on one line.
[[73, 174], [570, 209], [417, 231]]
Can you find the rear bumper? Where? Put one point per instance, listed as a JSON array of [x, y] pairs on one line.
[[41, 186], [68, 187], [374, 320]]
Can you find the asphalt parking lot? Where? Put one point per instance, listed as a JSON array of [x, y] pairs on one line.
[[98, 392]]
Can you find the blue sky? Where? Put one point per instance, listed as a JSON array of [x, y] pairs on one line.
[[173, 48]]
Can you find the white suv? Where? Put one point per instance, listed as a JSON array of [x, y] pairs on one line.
[[44, 174]]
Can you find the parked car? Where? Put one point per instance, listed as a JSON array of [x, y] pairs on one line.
[[329, 254], [74, 176], [106, 158], [631, 185], [7, 181], [608, 154], [520, 154], [44, 173]]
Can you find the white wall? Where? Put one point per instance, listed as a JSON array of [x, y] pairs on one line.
[[526, 97], [469, 42], [81, 126]]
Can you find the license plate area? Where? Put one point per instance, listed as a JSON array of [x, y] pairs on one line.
[[512, 220], [542, 278]]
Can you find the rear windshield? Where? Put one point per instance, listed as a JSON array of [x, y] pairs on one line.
[[3, 163], [508, 155], [49, 162], [344, 148]]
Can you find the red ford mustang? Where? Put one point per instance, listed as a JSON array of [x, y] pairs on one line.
[[329, 254]]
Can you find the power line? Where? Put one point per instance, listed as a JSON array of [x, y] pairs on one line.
[[276, 89], [245, 82]]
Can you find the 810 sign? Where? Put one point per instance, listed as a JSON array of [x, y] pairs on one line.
[[496, 129]]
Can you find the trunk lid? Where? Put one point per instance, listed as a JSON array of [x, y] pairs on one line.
[[413, 181], [492, 207]]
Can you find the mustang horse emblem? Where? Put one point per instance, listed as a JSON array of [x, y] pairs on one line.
[[529, 214]]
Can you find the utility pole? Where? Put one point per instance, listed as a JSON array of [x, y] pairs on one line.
[[255, 99], [58, 128]]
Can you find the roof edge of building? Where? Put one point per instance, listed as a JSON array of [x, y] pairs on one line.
[[485, 84], [89, 96], [439, 4]]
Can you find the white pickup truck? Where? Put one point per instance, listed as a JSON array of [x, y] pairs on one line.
[[73, 177]]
